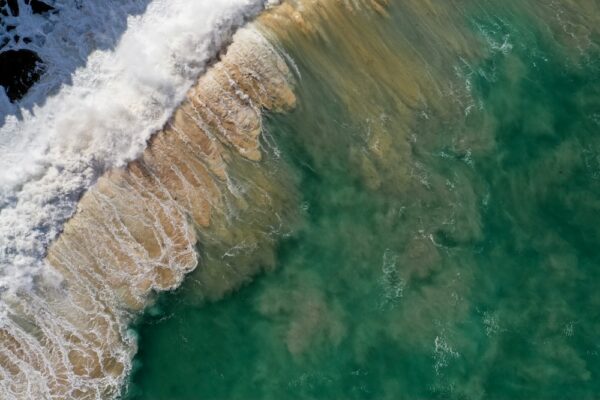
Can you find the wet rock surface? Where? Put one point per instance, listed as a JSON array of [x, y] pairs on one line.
[[19, 70], [39, 7], [11, 7]]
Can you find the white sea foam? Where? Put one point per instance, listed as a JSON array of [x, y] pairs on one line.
[[54, 152]]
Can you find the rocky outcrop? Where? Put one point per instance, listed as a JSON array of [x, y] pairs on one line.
[[11, 7], [19, 70], [39, 7]]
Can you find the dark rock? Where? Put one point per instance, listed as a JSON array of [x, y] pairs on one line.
[[14, 7], [10, 28], [19, 70], [39, 7]]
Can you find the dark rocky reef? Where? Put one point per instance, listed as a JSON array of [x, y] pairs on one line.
[[52, 30], [11, 7], [39, 7], [19, 70]]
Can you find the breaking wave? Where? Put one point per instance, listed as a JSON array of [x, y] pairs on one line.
[[68, 290], [50, 156]]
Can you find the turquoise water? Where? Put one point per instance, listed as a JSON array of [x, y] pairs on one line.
[[459, 262]]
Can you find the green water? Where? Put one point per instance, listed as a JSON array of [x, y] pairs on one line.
[[463, 264]]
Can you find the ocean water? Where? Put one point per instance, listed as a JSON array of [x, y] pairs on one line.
[[362, 199], [443, 238]]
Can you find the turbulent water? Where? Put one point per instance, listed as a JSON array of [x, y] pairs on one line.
[[53, 153], [447, 161], [370, 199], [63, 38]]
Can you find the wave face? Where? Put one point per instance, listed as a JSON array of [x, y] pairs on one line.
[[64, 309]]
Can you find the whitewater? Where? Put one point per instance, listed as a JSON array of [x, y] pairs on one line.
[[50, 154], [59, 141]]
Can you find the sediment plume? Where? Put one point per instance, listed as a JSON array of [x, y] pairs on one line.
[[136, 232], [408, 92]]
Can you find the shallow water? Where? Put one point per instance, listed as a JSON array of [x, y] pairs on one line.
[[448, 169]]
